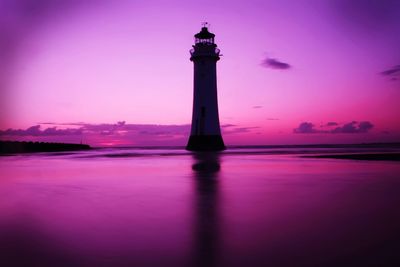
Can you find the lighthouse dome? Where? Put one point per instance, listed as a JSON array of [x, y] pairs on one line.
[[204, 34], [204, 37]]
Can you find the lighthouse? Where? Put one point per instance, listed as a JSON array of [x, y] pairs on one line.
[[205, 132]]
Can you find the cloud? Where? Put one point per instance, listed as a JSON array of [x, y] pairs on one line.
[[236, 130], [228, 125], [365, 126], [63, 124], [350, 127], [104, 134], [393, 73], [36, 131], [257, 107], [275, 64], [233, 129], [120, 133], [354, 127], [120, 128], [272, 119], [331, 123], [305, 127], [55, 131]]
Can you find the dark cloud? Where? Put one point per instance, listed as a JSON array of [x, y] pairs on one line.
[[36, 131], [104, 129], [351, 127], [331, 123], [395, 70], [122, 128], [235, 130], [275, 64], [65, 123], [354, 127], [228, 125], [365, 126], [272, 119], [119, 128], [105, 134], [257, 107], [393, 73], [305, 127]]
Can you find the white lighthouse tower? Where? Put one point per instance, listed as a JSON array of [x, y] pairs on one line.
[[205, 132]]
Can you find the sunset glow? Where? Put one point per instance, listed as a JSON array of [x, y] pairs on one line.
[[118, 73]]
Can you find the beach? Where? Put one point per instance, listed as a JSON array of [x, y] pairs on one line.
[[169, 207]]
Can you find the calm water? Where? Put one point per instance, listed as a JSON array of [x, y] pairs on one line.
[[243, 207]]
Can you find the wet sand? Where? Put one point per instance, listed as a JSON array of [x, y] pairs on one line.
[[360, 156], [167, 207]]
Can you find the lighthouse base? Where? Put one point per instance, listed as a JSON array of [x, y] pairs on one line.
[[205, 143]]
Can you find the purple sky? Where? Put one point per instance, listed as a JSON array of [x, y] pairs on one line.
[[289, 68]]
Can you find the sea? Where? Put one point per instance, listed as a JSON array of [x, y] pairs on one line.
[[165, 206]]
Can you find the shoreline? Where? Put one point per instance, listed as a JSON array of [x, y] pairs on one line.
[[360, 156], [16, 147]]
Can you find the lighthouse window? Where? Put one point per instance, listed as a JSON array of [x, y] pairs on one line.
[[204, 41], [203, 112]]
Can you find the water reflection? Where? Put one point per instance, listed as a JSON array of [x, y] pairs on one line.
[[206, 228]]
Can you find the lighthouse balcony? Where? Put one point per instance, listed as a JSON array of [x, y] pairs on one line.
[[204, 52]]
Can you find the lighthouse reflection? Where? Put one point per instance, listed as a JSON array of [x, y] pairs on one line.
[[206, 226]]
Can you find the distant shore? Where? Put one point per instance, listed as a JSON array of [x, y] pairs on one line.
[[360, 156], [11, 147]]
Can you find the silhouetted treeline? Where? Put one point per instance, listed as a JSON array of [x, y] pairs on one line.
[[26, 147]]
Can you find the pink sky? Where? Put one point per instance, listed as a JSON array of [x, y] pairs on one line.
[[91, 64]]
